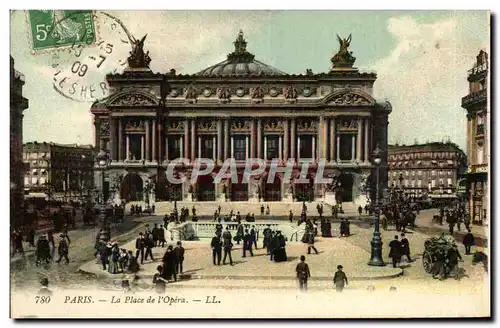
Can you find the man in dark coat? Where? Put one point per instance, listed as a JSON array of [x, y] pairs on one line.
[[179, 257], [360, 210], [311, 244], [155, 235], [340, 279], [405, 247], [343, 228], [468, 241], [273, 245], [218, 227], [453, 258], [280, 250], [228, 245], [247, 243], [17, 241], [169, 264], [239, 233], [253, 236], [161, 236], [63, 250], [267, 237], [149, 243], [139, 246], [262, 209], [303, 273], [290, 216], [216, 245], [395, 252]]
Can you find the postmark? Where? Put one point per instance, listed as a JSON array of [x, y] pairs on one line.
[[79, 72], [53, 29]]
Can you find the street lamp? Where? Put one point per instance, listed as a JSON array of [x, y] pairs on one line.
[[376, 251], [103, 161]]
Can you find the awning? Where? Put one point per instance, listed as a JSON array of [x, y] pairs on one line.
[[419, 162], [434, 162], [450, 162], [406, 163]]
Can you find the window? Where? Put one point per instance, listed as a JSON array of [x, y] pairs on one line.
[[239, 147], [406, 182], [413, 183], [34, 180], [174, 147], [433, 173], [479, 153], [412, 173], [345, 147], [26, 180], [450, 183], [273, 147], [407, 173], [42, 181], [419, 183], [433, 183], [419, 173], [441, 182], [207, 147], [450, 172]]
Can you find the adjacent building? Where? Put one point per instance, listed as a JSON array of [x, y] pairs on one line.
[[476, 104], [18, 104], [242, 108], [57, 171], [427, 170]]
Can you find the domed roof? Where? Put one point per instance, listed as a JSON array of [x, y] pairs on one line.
[[240, 62]]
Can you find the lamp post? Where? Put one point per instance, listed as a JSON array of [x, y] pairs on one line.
[[103, 161], [401, 190], [376, 243]]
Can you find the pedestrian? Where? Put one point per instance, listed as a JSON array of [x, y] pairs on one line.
[[405, 247], [290, 216], [247, 243], [453, 258], [31, 237], [158, 281], [155, 234], [113, 259], [44, 290], [63, 250], [161, 236], [179, 258], [216, 245], [104, 252], [17, 241], [395, 252], [340, 279], [267, 237], [149, 243], [310, 243], [169, 264], [50, 237], [268, 210], [253, 234], [228, 245], [239, 233], [262, 209], [303, 273], [139, 246], [468, 241], [360, 210]]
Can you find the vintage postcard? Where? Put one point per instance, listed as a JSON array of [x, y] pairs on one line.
[[249, 164]]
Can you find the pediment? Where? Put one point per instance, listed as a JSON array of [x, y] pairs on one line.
[[133, 99], [349, 98]]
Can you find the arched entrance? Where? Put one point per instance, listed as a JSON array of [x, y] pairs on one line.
[[206, 188], [239, 191], [346, 182], [272, 191], [132, 188], [304, 192]]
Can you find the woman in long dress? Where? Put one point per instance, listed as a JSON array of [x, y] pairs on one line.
[[113, 261]]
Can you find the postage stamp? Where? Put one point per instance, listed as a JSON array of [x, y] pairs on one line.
[[60, 28]]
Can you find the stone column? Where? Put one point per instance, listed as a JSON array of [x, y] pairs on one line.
[[153, 141], [127, 147], [333, 155], [292, 140], [353, 151], [246, 147], [321, 138], [219, 140], [97, 125], [359, 139], [199, 147], [193, 139], [186, 139], [226, 139], [252, 139], [285, 140], [314, 147], [280, 148], [214, 156], [232, 147], [147, 141], [142, 147], [338, 149], [160, 155], [298, 148], [182, 148], [367, 140], [265, 148], [112, 138], [259, 138], [120, 140]]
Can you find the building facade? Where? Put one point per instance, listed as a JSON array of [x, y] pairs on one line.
[[241, 108], [58, 172], [18, 104], [427, 170], [476, 104]]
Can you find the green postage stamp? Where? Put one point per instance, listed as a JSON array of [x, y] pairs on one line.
[[60, 28]]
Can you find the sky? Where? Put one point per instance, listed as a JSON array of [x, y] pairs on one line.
[[421, 59]]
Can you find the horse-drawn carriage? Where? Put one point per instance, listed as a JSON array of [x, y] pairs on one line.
[[400, 220], [435, 256]]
